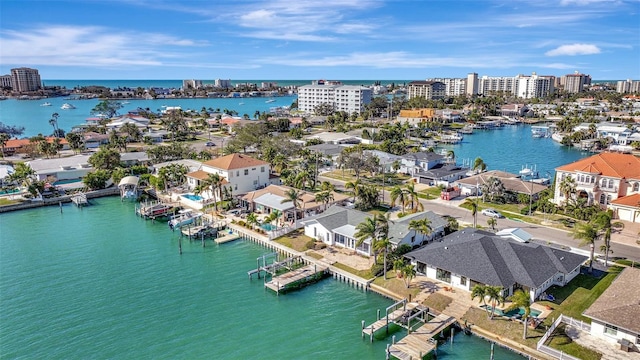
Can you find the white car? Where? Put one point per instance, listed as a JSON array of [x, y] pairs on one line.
[[492, 213]]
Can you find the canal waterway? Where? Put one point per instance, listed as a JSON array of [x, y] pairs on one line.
[[100, 282]]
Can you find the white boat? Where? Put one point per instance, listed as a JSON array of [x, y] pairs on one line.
[[451, 138], [241, 103], [67, 106], [185, 217], [557, 137], [46, 104], [125, 102], [540, 131], [270, 101]]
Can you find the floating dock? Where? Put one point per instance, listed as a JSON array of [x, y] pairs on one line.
[[227, 238]]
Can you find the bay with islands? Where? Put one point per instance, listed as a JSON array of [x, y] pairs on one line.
[[100, 282]]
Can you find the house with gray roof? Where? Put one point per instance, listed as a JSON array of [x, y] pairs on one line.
[[337, 227], [444, 174], [475, 257], [615, 314], [413, 163]]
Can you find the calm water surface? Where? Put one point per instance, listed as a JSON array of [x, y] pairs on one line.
[[100, 282]]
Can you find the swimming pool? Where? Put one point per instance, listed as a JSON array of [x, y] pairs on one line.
[[192, 197], [268, 227], [514, 312]]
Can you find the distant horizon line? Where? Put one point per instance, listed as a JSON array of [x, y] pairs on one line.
[[327, 79]]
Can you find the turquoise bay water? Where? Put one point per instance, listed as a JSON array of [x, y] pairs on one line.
[[100, 282], [35, 118]]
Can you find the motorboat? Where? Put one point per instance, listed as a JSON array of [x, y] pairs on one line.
[[46, 104], [184, 217], [67, 106], [270, 101]]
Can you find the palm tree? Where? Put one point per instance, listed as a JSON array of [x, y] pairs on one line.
[[275, 215], [368, 229], [412, 197], [587, 234], [494, 293], [451, 156], [478, 164], [252, 219], [480, 291], [54, 123], [383, 244], [398, 264], [492, 222], [604, 224], [4, 137], [354, 186], [215, 183], [397, 193], [294, 196], [473, 204], [521, 299], [567, 187], [408, 273], [422, 226]]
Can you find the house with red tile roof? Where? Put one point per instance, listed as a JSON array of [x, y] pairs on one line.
[[610, 180], [240, 173]]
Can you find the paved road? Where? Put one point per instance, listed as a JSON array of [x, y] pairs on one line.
[[539, 233]]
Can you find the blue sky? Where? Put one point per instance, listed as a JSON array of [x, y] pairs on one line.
[[330, 39]]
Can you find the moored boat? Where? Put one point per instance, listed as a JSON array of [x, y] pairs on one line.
[[184, 217], [67, 106], [45, 104]]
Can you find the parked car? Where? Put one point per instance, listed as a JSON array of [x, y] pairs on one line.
[[492, 213], [235, 212], [210, 143]]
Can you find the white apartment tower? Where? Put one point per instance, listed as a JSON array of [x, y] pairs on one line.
[[191, 84], [534, 86], [25, 79], [431, 90], [453, 86], [5, 81], [348, 98], [628, 86], [222, 83]]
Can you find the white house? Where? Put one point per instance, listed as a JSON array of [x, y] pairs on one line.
[[241, 173], [67, 168], [615, 314], [470, 257], [413, 163], [337, 227]]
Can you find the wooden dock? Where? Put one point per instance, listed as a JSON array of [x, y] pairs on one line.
[[393, 317], [227, 238], [79, 199], [420, 342], [296, 278]]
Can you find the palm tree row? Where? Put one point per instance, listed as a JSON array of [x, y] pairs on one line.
[[407, 196]]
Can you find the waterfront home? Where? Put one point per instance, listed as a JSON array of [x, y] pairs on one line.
[[472, 257], [605, 179], [472, 185], [192, 165], [442, 174], [93, 140], [386, 160], [134, 158], [140, 121], [448, 115], [614, 315], [66, 168], [5, 171], [273, 197], [336, 138], [412, 163], [416, 116], [619, 134], [337, 226], [242, 173], [22, 146]]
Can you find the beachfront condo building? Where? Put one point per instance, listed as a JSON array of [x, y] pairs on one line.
[[471, 87], [628, 86], [191, 84], [25, 79], [535, 86], [574, 83], [5, 81], [348, 98], [431, 90], [222, 83], [452, 86]]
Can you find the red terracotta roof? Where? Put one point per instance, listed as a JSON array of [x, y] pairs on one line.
[[631, 200], [610, 164], [234, 161], [17, 143]]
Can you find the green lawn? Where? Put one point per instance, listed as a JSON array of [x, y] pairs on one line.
[[437, 301], [365, 274], [560, 341], [397, 286], [572, 300], [295, 240], [5, 202]]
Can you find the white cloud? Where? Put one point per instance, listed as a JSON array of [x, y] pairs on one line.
[[584, 2], [574, 49]]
